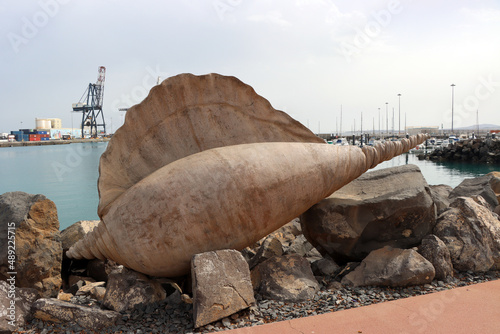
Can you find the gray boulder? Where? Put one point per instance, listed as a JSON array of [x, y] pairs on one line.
[[392, 267], [440, 194], [58, 311], [15, 305], [221, 285], [33, 220], [286, 278], [436, 252], [324, 267], [127, 288], [471, 233], [391, 207], [477, 186]]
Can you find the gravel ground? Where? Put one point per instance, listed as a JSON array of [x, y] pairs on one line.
[[332, 297]]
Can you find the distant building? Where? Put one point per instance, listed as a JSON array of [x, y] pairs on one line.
[[413, 130], [48, 123]]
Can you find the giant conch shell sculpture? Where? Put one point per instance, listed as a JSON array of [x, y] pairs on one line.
[[204, 163]]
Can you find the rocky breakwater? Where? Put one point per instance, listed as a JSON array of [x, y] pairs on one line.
[[387, 235], [474, 150]]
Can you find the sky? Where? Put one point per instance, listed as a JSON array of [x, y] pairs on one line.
[[309, 58]]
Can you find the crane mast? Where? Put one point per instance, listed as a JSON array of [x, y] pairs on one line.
[[90, 105]]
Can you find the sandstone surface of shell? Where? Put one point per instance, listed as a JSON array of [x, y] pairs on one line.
[[204, 163]]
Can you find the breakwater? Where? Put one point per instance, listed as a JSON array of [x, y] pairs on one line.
[[51, 142], [474, 150]]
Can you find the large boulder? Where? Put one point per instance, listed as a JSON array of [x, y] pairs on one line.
[[127, 288], [392, 267], [471, 232], [58, 311], [388, 207], [221, 285], [15, 305], [495, 183], [436, 252], [440, 194], [285, 278], [479, 186], [32, 219]]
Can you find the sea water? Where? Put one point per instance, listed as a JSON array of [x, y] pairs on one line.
[[67, 174]]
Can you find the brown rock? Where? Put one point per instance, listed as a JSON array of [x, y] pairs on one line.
[[391, 267], [54, 310], [471, 232], [127, 288], [37, 241], [436, 252], [440, 194], [221, 285], [286, 278], [476, 186], [392, 206], [269, 248]]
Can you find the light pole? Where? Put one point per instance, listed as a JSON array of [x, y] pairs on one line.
[[452, 97], [379, 133], [387, 117], [399, 117]]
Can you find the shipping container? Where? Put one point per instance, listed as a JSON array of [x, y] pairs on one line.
[[44, 138]]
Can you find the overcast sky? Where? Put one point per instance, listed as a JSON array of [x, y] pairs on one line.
[[307, 57]]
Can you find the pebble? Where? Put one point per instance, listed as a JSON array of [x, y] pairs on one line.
[[163, 318]]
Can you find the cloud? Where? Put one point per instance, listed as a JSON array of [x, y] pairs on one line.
[[272, 17], [483, 15]]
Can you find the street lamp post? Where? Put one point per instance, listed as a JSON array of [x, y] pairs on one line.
[[399, 117], [379, 130], [387, 117], [452, 104]]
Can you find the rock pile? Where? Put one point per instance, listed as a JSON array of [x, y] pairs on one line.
[[399, 237], [474, 150]]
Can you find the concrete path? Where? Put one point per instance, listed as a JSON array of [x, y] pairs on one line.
[[468, 310]]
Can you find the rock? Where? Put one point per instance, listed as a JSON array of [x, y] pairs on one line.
[[127, 288], [97, 269], [15, 305], [472, 234], [64, 296], [221, 285], [76, 232], [286, 278], [269, 248], [302, 247], [497, 210], [392, 206], [98, 293], [324, 267], [88, 287], [392, 267], [495, 182], [440, 194], [37, 241], [54, 310], [476, 186], [436, 252], [287, 233]]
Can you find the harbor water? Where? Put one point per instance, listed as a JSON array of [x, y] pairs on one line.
[[67, 174]]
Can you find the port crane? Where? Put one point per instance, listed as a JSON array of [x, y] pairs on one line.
[[90, 105]]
